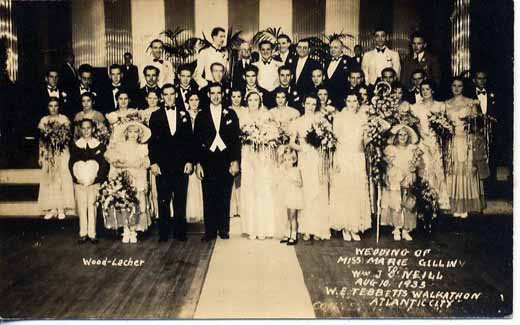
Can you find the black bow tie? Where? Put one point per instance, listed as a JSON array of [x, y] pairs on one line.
[[481, 92], [335, 59], [161, 61], [416, 91], [168, 108], [52, 88], [381, 50], [84, 88], [267, 62], [116, 87]]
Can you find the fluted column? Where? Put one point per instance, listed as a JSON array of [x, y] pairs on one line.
[[343, 16], [88, 32]]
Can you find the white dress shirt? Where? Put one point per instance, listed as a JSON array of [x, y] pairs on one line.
[[216, 115], [284, 56], [482, 98], [53, 93], [83, 89], [171, 115], [299, 66], [268, 73], [114, 92], [332, 67]]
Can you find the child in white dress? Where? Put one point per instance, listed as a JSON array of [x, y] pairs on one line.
[[291, 182], [130, 153]]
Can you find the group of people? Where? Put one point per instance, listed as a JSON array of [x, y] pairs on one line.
[[185, 140]]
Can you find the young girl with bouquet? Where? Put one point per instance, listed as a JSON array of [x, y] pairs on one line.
[[56, 195], [404, 161], [130, 154]]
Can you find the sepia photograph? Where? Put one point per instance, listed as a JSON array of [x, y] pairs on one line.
[[256, 159]]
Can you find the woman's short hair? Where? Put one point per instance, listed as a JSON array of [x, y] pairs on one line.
[[89, 120], [255, 93], [191, 93], [312, 96], [121, 92], [54, 99]]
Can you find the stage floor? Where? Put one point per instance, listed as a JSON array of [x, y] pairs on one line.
[[45, 274]]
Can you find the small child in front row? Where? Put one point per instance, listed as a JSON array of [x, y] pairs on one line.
[[130, 153], [88, 169], [291, 190]]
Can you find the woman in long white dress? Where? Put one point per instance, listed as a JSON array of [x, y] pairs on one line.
[[433, 168], [194, 203], [314, 219], [350, 210], [257, 207]]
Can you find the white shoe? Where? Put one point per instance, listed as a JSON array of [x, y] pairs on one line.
[[126, 237], [346, 235], [133, 237], [306, 237], [355, 236], [61, 215], [464, 215], [406, 235], [397, 235], [49, 215]]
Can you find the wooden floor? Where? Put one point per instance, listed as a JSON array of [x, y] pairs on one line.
[[43, 274], [483, 243]]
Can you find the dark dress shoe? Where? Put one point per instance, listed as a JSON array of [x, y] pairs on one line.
[[94, 241], [82, 240], [224, 236]]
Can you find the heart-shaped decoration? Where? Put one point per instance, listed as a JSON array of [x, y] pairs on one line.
[[85, 171]]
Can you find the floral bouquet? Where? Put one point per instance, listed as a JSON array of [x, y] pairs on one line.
[[118, 201], [441, 125], [54, 137], [102, 133], [264, 133], [321, 134], [427, 202], [479, 123]]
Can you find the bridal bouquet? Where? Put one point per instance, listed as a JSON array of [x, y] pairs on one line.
[[267, 132], [118, 193], [54, 137], [441, 125], [321, 134], [480, 123]]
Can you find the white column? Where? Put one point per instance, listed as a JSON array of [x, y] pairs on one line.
[[88, 32], [276, 13], [147, 23], [343, 16], [210, 14]]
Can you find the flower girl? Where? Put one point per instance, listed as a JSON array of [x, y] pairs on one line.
[[56, 195], [130, 154], [291, 183], [398, 204]]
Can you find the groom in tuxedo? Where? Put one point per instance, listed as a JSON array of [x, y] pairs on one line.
[[171, 156], [217, 137]]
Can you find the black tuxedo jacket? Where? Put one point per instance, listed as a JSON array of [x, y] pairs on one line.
[[130, 77], [491, 101], [429, 64], [179, 102], [304, 83], [139, 97], [337, 82], [105, 100], [205, 133], [354, 64], [42, 98], [171, 153], [237, 78], [289, 61]]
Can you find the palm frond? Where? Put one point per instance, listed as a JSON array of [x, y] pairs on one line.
[[233, 39], [319, 49], [270, 34], [339, 36]]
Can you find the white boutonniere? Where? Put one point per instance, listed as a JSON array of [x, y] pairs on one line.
[[184, 120], [63, 94], [491, 95], [227, 91], [94, 94], [183, 113], [295, 93], [344, 61], [229, 122], [225, 112], [98, 152]]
